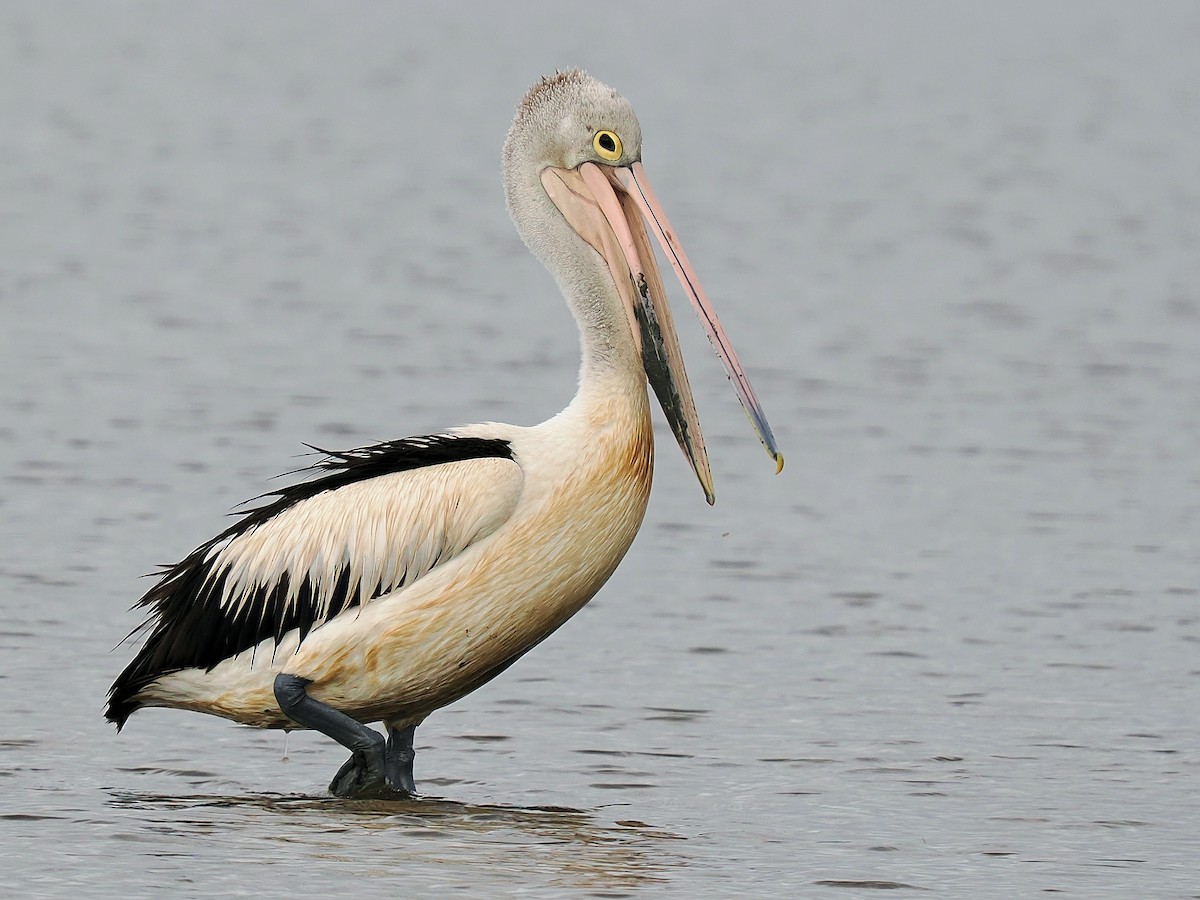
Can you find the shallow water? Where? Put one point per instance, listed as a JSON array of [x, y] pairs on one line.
[[953, 649]]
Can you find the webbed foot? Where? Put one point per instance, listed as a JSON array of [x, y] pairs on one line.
[[383, 771], [363, 776]]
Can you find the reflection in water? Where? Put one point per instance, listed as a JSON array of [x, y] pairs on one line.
[[567, 847]]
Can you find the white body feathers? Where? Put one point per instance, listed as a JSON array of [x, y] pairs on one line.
[[491, 556]]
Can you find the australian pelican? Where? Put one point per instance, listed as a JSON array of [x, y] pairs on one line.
[[404, 575]]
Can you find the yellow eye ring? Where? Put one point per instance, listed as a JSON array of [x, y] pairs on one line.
[[607, 145]]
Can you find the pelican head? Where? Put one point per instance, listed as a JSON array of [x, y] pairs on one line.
[[578, 194]]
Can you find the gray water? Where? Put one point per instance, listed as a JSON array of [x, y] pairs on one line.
[[953, 650]]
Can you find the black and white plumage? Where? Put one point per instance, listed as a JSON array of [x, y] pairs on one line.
[[404, 575], [230, 595]]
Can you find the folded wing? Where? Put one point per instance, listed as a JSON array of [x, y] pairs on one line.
[[376, 519]]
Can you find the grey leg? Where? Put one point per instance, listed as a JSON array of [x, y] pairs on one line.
[[365, 774], [399, 758]]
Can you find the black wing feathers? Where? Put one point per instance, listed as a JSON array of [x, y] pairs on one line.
[[188, 625]]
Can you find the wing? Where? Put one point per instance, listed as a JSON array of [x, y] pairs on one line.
[[377, 519]]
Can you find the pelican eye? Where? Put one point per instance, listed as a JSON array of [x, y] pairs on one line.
[[607, 145]]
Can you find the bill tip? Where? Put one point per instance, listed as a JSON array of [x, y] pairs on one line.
[[778, 462]]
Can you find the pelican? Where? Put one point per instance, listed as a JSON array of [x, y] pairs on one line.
[[401, 576]]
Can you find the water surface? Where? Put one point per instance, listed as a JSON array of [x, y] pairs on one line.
[[954, 649]]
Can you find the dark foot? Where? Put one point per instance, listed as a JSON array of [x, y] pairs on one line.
[[383, 772], [363, 775]]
